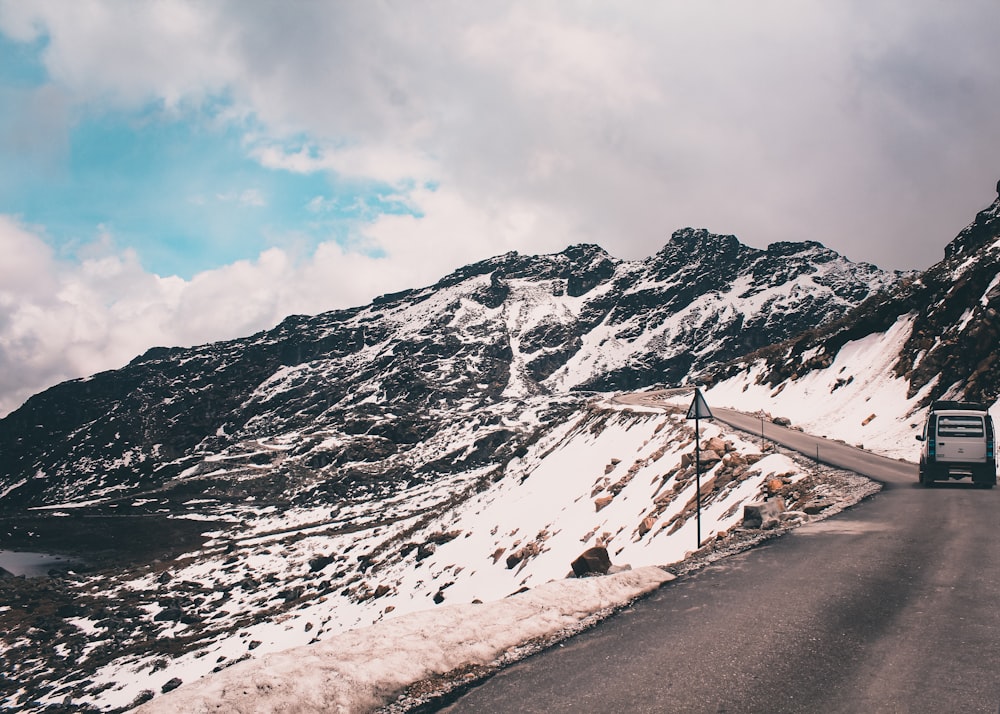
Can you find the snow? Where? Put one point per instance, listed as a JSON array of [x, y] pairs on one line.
[[366, 668], [856, 399], [598, 478]]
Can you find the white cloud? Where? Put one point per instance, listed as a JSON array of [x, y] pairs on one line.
[[539, 126], [772, 120], [247, 197]]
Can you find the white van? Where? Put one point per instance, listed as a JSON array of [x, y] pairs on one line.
[[958, 443]]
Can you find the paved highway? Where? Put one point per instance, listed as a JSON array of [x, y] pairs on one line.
[[891, 606]]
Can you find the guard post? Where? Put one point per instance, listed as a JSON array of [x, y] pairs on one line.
[[698, 410]]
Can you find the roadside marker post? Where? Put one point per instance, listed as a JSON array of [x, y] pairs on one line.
[[698, 410]]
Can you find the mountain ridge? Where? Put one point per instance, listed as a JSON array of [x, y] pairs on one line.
[[500, 329]]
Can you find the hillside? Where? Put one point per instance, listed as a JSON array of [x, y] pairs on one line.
[[869, 377], [271, 578], [360, 403]]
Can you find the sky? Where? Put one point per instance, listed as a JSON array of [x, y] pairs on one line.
[[175, 173]]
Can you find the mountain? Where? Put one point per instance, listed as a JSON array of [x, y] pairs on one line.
[[869, 376], [358, 404], [447, 444]]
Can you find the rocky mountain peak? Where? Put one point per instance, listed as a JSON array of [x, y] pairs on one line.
[[982, 230], [701, 242], [949, 318]]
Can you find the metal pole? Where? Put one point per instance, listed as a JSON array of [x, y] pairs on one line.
[[697, 475]]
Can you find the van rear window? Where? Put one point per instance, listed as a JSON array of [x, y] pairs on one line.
[[960, 426]]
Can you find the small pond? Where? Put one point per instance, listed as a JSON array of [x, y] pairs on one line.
[[32, 564]]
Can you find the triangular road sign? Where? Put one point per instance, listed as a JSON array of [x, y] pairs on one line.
[[699, 407]]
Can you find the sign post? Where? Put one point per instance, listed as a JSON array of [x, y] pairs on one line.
[[698, 410]]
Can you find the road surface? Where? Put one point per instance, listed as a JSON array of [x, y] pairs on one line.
[[891, 606]]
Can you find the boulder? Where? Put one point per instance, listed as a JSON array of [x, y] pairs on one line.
[[710, 457], [593, 561], [319, 562], [816, 507], [764, 514], [602, 502], [714, 444]]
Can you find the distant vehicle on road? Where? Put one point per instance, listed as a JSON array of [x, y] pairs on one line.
[[958, 442]]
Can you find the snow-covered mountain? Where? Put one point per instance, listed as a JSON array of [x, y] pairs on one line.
[[446, 445], [361, 403], [440, 445], [869, 377]]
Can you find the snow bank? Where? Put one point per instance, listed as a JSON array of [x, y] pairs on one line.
[[362, 669]]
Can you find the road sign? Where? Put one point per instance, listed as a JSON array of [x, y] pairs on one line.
[[699, 407], [699, 410]]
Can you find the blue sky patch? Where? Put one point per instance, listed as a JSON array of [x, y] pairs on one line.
[[178, 186]]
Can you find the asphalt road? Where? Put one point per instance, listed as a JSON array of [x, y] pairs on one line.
[[891, 606]]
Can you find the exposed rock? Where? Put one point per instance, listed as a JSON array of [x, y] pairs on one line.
[[774, 485], [764, 514], [646, 525], [425, 550], [593, 561], [815, 507], [602, 502], [528, 550], [709, 458], [717, 445], [171, 685], [792, 517], [319, 562]]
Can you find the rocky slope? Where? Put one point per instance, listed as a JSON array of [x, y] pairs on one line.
[[357, 404], [269, 578]]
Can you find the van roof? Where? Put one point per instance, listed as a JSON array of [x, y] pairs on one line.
[[946, 405]]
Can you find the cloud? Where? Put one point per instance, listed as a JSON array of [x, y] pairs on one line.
[[775, 121], [500, 126], [247, 197]]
